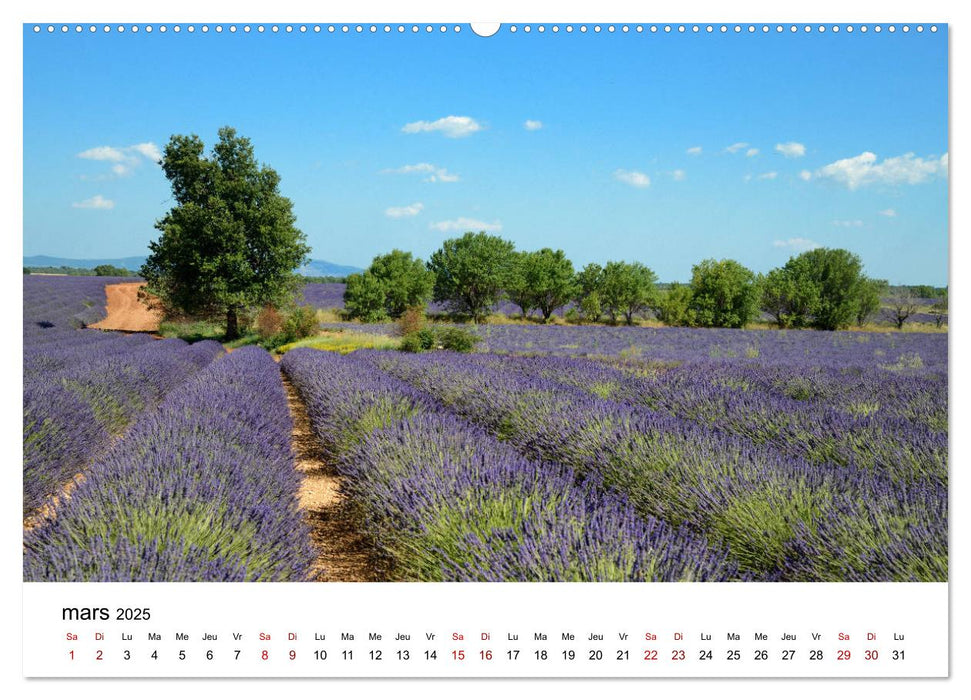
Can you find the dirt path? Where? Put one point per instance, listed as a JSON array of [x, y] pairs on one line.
[[125, 311], [342, 553], [48, 511]]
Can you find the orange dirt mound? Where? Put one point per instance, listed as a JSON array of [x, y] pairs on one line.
[[126, 312]]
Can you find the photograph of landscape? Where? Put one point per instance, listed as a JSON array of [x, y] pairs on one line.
[[405, 303]]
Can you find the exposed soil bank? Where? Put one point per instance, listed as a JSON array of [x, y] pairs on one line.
[[125, 311]]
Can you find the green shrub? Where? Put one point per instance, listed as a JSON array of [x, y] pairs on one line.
[[412, 342], [454, 339], [301, 322], [458, 340]]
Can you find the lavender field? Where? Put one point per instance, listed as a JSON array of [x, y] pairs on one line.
[[150, 460], [472, 467], [553, 453]]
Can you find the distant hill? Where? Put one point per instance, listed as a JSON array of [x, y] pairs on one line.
[[322, 268], [132, 263], [316, 268]]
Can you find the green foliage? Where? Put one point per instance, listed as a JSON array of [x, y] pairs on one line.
[[418, 341], [542, 280], [301, 322], [789, 300], [471, 273], [405, 280], [62, 270], [838, 275], [454, 339], [724, 294], [870, 292], [823, 287], [927, 291], [591, 308], [230, 242], [364, 297], [458, 339], [939, 310], [323, 279], [111, 271], [519, 289], [627, 289], [673, 308]]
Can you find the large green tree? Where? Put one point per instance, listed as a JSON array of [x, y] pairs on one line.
[[823, 287], [403, 282], [230, 243], [724, 294], [364, 297], [788, 298], [837, 274], [673, 307], [627, 289], [588, 291], [519, 287], [471, 272], [541, 279]]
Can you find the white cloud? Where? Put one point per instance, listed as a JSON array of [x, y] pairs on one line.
[[125, 159], [103, 153], [451, 126], [791, 149], [848, 223], [96, 202], [800, 244], [805, 175], [431, 172], [678, 175], [404, 212], [751, 152], [532, 125], [464, 224], [864, 169], [632, 178], [148, 150], [694, 151], [889, 213], [764, 176], [736, 147]]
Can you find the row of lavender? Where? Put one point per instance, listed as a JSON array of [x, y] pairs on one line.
[[782, 515], [83, 387], [201, 489], [926, 352], [444, 500], [894, 422]]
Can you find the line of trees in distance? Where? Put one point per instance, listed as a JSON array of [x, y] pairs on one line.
[[824, 288]]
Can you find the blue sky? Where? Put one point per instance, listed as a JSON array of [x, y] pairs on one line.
[[661, 148]]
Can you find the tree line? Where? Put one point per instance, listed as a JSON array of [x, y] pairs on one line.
[[230, 244], [822, 288]]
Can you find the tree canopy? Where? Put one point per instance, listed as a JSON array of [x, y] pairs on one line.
[[627, 289], [541, 279], [472, 272], [391, 284], [724, 293], [230, 243]]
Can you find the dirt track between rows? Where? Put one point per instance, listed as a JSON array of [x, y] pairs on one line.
[[126, 312], [343, 553]]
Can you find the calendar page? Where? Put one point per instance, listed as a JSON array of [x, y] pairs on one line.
[[545, 349]]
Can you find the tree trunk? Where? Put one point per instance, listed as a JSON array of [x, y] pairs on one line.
[[232, 324]]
